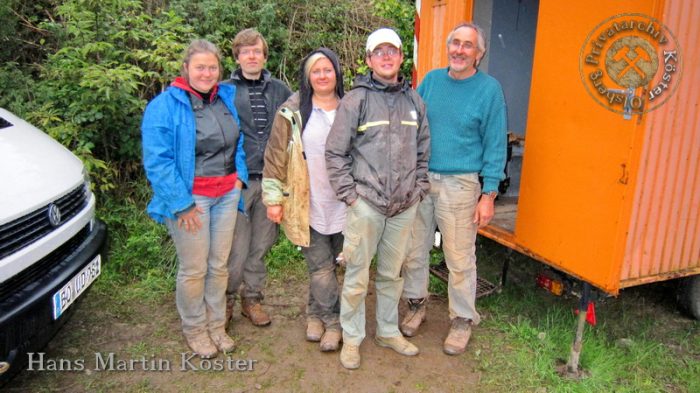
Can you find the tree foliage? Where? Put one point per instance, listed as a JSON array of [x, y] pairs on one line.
[[83, 70]]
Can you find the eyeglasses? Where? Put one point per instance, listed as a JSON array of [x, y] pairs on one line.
[[248, 52], [391, 52], [457, 44]]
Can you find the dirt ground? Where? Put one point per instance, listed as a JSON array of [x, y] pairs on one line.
[[274, 358], [278, 359]]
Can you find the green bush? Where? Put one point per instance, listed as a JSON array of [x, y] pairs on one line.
[[142, 254], [17, 88], [402, 15], [83, 71], [92, 91]]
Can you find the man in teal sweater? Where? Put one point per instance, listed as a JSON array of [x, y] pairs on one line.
[[467, 116]]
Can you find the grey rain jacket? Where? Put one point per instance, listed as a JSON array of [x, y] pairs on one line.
[[379, 145]]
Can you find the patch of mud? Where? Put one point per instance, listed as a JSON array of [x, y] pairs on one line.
[[274, 358]]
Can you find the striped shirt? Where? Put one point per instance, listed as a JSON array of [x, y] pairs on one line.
[[257, 104]]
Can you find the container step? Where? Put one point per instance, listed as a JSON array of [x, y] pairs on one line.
[[483, 286]]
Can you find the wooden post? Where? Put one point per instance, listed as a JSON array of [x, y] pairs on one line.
[[572, 366]]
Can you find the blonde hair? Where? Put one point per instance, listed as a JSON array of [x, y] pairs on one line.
[[310, 63]]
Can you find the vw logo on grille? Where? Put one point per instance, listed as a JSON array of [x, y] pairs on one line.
[[54, 215]]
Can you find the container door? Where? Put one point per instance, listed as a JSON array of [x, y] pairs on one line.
[[577, 164]]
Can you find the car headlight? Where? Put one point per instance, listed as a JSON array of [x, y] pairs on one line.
[[86, 180], [88, 191]]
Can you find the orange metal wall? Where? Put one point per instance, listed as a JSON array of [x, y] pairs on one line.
[[437, 18], [664, 230], [577, 154], [611, 201]]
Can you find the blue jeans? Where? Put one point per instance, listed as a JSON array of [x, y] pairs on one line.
[[202, 275]]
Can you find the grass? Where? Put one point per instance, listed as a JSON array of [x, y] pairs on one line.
[[641, 343], [528, 330], [285, 261]]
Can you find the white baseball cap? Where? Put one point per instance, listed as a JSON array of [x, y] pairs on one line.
[[383, 36]]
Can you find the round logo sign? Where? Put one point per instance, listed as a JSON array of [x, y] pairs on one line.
[[54, 214], [630, 64]]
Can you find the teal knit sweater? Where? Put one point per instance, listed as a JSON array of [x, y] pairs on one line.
[[467, 125]]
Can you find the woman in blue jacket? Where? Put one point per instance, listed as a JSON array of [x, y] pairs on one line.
[[194, 161]]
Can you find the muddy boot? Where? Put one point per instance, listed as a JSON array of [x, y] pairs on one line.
[[223, 341], [230, 302], [350, 356], [458, 337], [201, 345], [314, 329], [252, 309], [331, 339], [414, 317], [398, 344]]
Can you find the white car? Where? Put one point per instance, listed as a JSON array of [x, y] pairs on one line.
[[51, 245]]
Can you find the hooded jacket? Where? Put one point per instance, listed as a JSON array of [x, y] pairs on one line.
[[379, 145], [285, 175], [169, 137], [275, 92]]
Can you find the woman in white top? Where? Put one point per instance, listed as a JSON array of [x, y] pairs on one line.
[[297, 192]]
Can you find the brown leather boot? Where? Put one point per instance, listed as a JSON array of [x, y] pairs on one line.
[[253, 310]]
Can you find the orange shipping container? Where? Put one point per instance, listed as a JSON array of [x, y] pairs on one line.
[[607, 185]]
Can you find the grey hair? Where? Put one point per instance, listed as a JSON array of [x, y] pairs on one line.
[[480, 37], [196, 47]]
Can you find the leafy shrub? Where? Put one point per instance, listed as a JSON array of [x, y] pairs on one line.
[[92, 91], [83, 71], [140, 248]]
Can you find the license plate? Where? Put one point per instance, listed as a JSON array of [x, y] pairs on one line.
[[75, 287]]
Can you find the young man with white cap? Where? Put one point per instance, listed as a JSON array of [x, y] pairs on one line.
[[377, 160]]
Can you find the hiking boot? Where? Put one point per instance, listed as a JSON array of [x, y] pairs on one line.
[[458, 337], [230, 302], [314, 329], [222, 341], [331, 340], [202, 346], [253, 311], [414, 317], [350, 356], [398, 344]]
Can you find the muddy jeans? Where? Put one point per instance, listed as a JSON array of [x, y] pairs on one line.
[[450, 206], [367, 232], [201, 275], [253, 238], [324, 297]]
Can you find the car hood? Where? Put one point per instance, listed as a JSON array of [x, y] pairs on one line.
[[34, 169]]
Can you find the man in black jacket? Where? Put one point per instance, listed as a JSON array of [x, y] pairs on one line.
[[258, 96]]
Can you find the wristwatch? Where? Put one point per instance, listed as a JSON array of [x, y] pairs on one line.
[[491, 194]]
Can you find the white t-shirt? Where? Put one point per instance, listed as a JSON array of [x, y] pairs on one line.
[[327, 215]]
